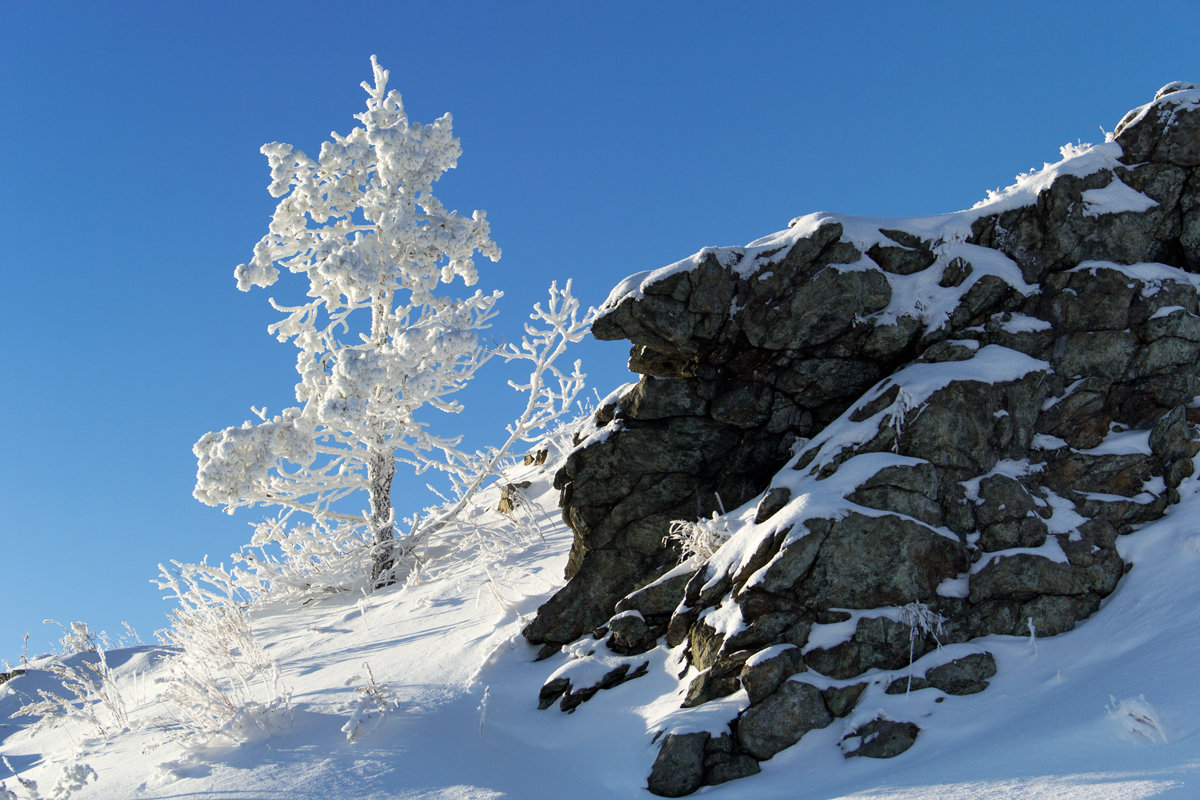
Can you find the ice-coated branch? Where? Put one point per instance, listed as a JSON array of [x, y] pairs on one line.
[[560, 326], [378, 339]]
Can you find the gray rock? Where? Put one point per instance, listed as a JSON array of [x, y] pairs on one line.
[[723, 762], [763, 628], [955, 272], [659, 398], [823, 309], [877, 643], [704, 644], [629, 634], [1007, 515], [659, 599], [551, 691], [1177, 324], [1024, 576], [537, 458], [966, 675], [661, 363], [1103, 353], [950, 350], [880, 738], [968, 426], [1166, 130], [781, 719], [901, 260], [1123, 474], [1121, 512], [1176, 471], [910, 490], [743, 405], [1097, 299], [764, 677], [794, 560], [773, 501], [679, 768], [1081, 418], [1057, 233], [709, 685], [868, 562], [840, 700], [723, 770], [751, 354], [1162, 356], [719, 680], [581, 605]]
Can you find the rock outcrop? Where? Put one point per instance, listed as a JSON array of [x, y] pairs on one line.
[[904, 435]]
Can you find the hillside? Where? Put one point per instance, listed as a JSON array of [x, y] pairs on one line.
[[1108, 710], [1032, 360]]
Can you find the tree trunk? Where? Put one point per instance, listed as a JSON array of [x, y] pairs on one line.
[[381, 467]]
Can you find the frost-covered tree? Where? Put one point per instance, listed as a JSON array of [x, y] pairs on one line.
[[378, 343]]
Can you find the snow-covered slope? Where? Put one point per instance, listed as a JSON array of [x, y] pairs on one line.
[[1108, 710], [429, 690]]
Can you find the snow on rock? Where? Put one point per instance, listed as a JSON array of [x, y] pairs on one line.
[[1116, 198], [909, 434]]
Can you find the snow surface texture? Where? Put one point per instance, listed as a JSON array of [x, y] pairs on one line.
[[1108, 710]]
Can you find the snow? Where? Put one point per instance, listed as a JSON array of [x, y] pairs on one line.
[[1174, 96], [1044, 441], [1106, 711], [1122, 443], [1167, 311], [1050, 550], [1023, 323], [955, 587], [990, 364], [1064, 518], [831, 634], [725, 619], [1152, 274], [635, 285], [1115, 198], [1006, 467], [917, 382], [765, 655], [1077, 161], [920, 294], [584, 672], [664, 714]]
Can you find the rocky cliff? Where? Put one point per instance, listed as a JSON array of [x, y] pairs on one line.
[[885, 439]]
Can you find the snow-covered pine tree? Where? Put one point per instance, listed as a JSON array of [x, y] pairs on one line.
[[377, 342]]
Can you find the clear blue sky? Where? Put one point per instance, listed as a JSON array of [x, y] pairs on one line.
[[602, 139]]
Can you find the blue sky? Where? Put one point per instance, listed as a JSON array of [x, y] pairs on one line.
[[602, 139]]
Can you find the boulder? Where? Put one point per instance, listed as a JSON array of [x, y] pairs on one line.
[[779, 720], [880, 738], [679, 768]]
